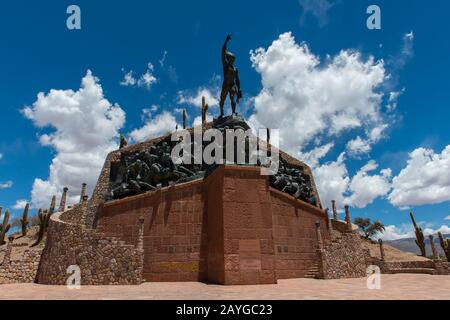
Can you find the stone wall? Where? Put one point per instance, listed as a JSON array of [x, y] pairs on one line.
[[294, 233], [102, 260], [20, 263], [344, 258], [175, 238], [224, 229]]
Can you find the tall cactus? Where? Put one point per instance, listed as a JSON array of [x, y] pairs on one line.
[[52, 208], [24, 221], [445, 244], [4, 228], [420, 238], [43, 222]]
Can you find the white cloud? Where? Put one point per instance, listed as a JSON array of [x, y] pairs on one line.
[[334, 183], [393, 99], [424, 180], [128, 79], [20, 204], [318, 8], [444, 229], [366, 188], [358, 146], [447, 218], [155, 127], [306, 98], [195, 99], [163, 59], [392, 232], [147, 79], [312, 157], [86, 126], [198, 120], [6, 185]]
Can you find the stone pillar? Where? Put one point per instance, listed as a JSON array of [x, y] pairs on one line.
[[330, 224], [62, 204], [83, 192], [335, 214], [319, 236], [348, 220], [140, 237], [383, 256], [184, 119], [433, 248]]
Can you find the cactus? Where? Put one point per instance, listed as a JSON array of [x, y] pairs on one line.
[[4, 228], [44, 216], [24, 221], [420, 238], [445, 244], [52, 208]]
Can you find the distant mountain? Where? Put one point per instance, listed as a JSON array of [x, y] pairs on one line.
[[409, 245]]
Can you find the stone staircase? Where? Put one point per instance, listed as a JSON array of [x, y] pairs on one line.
[[313, 272], [413, 270]]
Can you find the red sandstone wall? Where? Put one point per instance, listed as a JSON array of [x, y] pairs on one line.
[[247, 220], [294, 234], [174, 231], [230, 228]]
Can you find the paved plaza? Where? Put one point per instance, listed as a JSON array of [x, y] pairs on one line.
[[393, 287]]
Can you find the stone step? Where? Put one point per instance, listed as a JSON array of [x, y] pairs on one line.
[[413, 270]]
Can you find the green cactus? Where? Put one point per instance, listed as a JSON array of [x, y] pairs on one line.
[[420, 238], [445, 244], [4, 228], [52, 206], [24, 221], [43, 222]]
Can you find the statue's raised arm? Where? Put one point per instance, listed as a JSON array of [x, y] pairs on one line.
[[224, 50]]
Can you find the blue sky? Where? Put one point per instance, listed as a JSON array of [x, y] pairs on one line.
[[182, 40]]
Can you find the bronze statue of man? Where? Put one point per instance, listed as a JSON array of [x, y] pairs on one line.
[[231, 83]]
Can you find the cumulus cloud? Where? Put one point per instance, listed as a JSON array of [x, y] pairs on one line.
[[20, 204], [318, 8], [447, 218], [334, 183], [85, 127], [366, 188], [198, 120], [6, 185], [147, 79], [155, 127], [361, 146], [314, 99], [424, 180], [406, 231], [195, 98], [392, 232]]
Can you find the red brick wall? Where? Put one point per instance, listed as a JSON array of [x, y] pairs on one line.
[[175, 237], [227, 229], [295, 236], [247, 221]]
